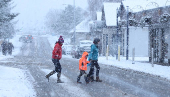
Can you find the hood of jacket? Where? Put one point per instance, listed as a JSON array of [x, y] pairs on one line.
[[84, 54]]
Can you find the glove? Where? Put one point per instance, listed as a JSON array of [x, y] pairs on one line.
[[89, 64]]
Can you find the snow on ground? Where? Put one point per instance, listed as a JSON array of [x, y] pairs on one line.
[[70, 87], [17, 45], [158, 70], [142, 66], [13, 82]]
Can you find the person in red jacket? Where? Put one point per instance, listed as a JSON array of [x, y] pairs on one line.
[[56, 56], [82, 65]]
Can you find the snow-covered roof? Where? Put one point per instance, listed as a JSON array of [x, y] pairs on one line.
[[99, 16], [110, 10], [145, 4], [82, 27]]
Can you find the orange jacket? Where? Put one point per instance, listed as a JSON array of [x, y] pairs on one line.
[[83, 62]]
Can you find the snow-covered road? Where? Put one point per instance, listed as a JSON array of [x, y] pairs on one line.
[[35, 59]]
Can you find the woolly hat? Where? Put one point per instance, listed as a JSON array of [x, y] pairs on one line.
[[96, 40], [61, 40]]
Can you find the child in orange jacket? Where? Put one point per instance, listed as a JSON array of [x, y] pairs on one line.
[[82, 65]]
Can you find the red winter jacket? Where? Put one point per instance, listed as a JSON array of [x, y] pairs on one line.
[[57, 52]]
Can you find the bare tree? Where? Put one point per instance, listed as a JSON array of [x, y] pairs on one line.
[[63, 21]]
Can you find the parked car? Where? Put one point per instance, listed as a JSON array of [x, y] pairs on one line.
[[26, 38], [22, 38], [67, 49], [84, 45], [75, 53]]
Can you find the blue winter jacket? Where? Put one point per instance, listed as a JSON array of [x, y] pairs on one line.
[[93, 53]]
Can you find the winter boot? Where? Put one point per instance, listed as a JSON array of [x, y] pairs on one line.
[[59, 80], [48, 75], [86, 78], [78, 80], [98, 80], [91, 78]]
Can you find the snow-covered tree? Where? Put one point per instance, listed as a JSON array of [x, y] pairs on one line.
[[63, 21], [6, 27]]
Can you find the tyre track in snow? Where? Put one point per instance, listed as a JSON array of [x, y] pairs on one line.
[[38, 58], [137, 83], [128, 81], [96, 89], [117, 82]]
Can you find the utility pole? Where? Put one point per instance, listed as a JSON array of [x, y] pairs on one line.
[[127, 51], [117, 36], [74, 25]]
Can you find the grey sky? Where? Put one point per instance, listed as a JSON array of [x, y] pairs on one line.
[[33, 12]]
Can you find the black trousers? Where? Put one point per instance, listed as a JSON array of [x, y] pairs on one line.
[[91, 72], [57, 65], [81, 73]]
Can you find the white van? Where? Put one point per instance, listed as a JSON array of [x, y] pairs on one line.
[[85, 45]]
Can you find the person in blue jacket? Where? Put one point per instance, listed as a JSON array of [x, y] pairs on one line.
[[93, 57]]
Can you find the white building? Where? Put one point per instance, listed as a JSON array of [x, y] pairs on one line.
[[82, 32]]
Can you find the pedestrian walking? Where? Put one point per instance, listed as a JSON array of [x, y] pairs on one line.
[[93, 57], [10, 48], [4, 46], [56, 56], [82, 65]]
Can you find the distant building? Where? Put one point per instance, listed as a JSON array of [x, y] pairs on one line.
[[109, 12], [148, 29], [82, 32]]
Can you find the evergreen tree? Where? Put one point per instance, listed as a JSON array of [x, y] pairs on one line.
[[6, 27]]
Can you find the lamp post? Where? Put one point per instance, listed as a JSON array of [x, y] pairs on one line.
[[117, 35], [74, 25], [127, 51]]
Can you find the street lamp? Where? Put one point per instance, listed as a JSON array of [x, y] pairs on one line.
[[74, 25], [127, 51], [117, 35]]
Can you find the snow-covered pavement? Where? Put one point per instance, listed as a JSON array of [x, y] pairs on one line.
[[14, 82]]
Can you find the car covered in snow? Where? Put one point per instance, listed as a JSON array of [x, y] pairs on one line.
[[67, 49], [26, 38], [84, 45], [75, 53]]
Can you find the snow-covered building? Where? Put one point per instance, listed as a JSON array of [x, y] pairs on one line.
[[82, 32], [109, 12], [148, 29]]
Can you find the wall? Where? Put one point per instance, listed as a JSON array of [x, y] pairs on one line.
[[138, 39]]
